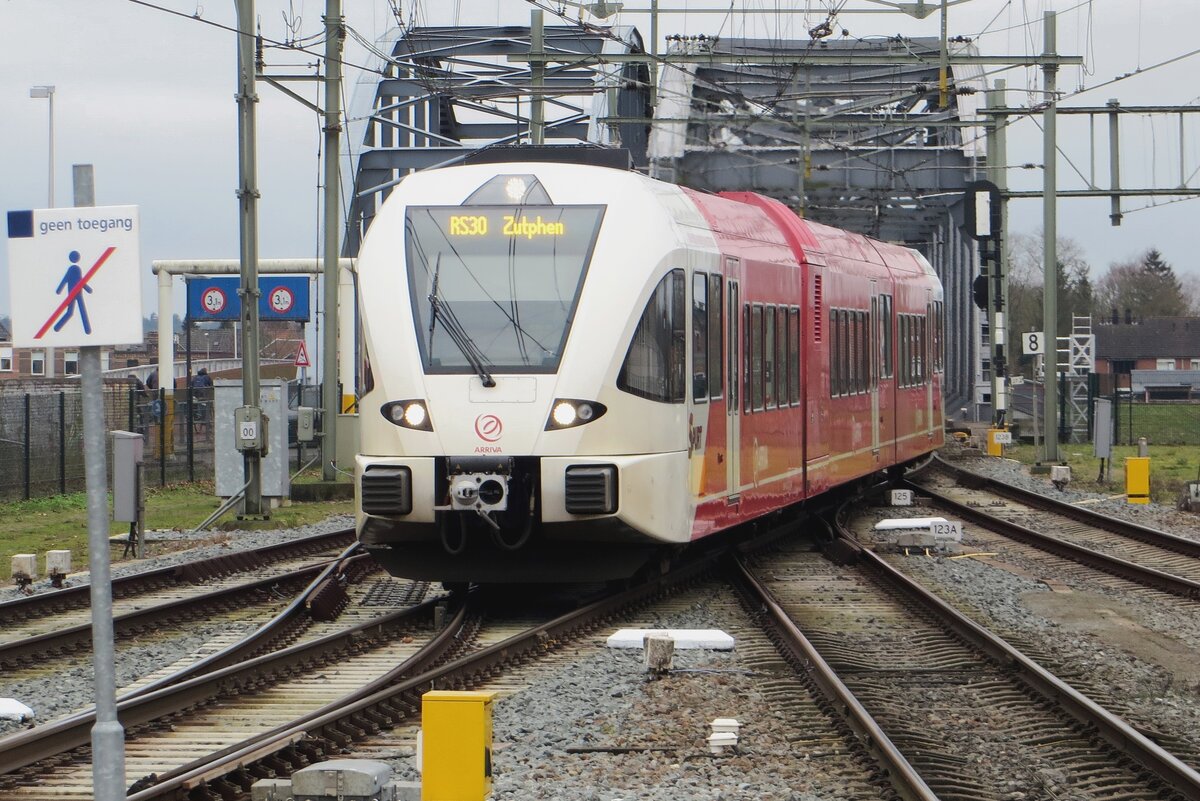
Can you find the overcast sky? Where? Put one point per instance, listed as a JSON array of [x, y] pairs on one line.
[[148, 98]]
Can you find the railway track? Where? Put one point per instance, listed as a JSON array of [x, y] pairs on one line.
[[212, 735], [947, 707], [68, 606], [1132, 552]]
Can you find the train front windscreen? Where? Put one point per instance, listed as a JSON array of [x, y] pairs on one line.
[[494, 288]]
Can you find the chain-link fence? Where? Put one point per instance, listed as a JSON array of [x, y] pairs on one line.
[[41, 436]]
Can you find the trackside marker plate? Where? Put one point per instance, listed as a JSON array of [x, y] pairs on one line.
[[711, 639]]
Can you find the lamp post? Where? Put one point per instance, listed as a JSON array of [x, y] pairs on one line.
[[48, 93]]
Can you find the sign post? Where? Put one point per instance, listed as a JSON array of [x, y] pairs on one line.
[[1033, 343], [75, 282]]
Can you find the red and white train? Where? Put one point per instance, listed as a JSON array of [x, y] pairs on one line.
[[570, 369]]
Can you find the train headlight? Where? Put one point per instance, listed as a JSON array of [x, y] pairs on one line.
[[568, 413], [564, 414], [408, 414]]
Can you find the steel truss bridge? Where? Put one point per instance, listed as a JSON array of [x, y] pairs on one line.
[[849, 133]]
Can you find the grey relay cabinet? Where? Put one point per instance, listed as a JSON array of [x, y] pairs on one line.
[[273, 398]]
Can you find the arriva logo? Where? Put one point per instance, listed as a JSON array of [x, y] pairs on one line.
[[488, 427]]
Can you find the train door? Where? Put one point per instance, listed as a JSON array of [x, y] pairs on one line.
[[873, 368], [733, 372]]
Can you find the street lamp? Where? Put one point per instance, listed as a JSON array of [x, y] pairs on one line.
[[48, 93]]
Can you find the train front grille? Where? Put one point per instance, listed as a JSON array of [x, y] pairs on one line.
[[591, 489], [387, 490]]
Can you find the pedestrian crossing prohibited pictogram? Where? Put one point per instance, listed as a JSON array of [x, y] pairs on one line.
[[74, 276]]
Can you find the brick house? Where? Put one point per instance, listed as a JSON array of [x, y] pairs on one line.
[[1157, 343]]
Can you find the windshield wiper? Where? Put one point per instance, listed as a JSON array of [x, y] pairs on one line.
[[439, 308]]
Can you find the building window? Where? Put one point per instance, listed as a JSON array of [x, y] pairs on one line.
[[1196, 364], [37, 362], [1164, 364], [6, 360], [71, 362]]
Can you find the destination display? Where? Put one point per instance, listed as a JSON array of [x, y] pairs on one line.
[[497, 224]]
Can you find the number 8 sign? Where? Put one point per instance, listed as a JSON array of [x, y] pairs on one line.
[[1033, 343]]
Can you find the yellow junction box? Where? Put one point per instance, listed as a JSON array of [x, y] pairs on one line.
[[1137, 479], [456, 745], [994, 445]]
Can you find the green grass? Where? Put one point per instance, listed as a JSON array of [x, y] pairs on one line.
[[60, 521], [1171, 467], [1161, 423]]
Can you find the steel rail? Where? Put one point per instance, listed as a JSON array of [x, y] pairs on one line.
[[1124, 528], [903, 776], [76, 637], [1115, 731], [74, 597], [373, 707], [24, 748], [1140, 574], [260, 638]]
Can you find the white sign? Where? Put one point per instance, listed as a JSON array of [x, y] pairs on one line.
[[75, 276], [1033, 343], [1003, 437], [946, 530], [901, 497], [213, 300], [281, 299], [248, 430]]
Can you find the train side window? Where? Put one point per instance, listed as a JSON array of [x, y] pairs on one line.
[[700, 337], [654, 365], [844, 352], [716, 327], [756, 358], [887, 324], [860, 354], [903, 324], [922, 349], [855, 354], [794, 354], [861, 342], [769, 357], [939, 338], [834, 372], [781, 356], [746, 358], [732, 362]]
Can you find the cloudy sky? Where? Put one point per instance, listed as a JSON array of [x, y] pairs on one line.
[[148, 98]]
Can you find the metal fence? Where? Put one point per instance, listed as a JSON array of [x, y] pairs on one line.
[[1160, 422], [41, 436]]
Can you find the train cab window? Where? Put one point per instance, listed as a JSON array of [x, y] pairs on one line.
[[715, 327], [756, 358], [769, 357], [794, 355], [700, 337], [654, 365]]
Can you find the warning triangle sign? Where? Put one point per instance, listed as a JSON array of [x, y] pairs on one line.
[[302, 356]]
